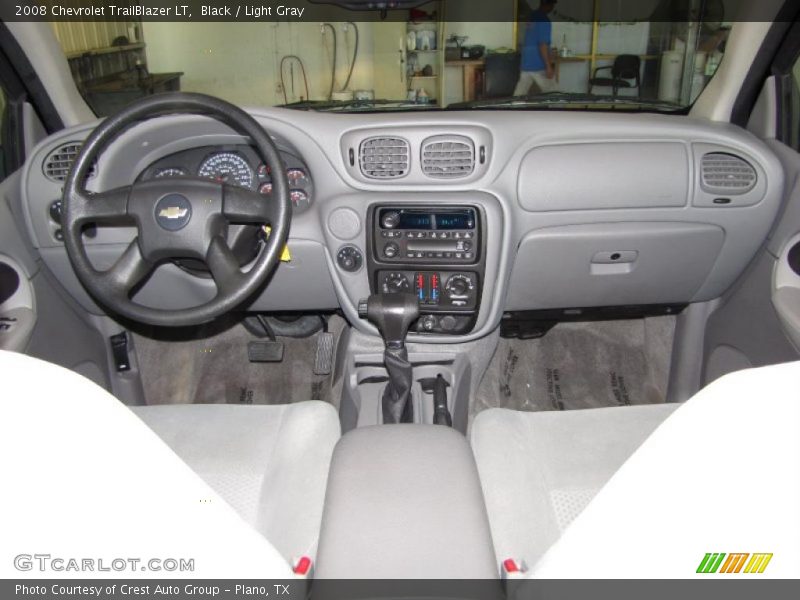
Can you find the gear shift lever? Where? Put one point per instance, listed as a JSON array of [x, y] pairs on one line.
[[393, 314]]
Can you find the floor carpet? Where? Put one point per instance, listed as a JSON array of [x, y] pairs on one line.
[[212, 367], [581, 365]]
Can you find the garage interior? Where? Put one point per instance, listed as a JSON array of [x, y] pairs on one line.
[[430, 55]]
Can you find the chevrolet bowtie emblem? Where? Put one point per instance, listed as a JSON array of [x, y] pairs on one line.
[[173, 212]]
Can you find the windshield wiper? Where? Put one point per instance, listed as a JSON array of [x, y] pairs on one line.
[[355, 105], [548, 99]]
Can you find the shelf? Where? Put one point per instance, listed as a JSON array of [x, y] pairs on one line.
[[106, 50]]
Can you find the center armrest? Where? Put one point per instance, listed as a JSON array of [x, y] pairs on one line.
[[404, 501]]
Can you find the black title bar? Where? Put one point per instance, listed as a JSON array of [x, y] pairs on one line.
[[714, 11]]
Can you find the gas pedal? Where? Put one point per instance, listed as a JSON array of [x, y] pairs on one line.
[[265, 352], [323, 360]]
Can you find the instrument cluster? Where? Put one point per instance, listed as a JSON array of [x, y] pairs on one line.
[[236, 165]]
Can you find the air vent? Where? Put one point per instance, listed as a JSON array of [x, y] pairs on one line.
[[727, 173], [59, 161], [384, 157], [448, 157]]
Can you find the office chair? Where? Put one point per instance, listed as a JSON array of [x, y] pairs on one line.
[[625, 67], [500, 76]]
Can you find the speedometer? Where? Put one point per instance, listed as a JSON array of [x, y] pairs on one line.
[[227, 167]]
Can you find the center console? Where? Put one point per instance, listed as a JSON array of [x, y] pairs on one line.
[[405, 501], [436, 254]]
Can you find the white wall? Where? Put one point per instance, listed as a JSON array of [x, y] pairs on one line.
[[240, 62]]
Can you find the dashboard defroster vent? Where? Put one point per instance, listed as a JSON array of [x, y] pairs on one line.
[[727, 173], [384, 157], [59, 161], [448, 157]]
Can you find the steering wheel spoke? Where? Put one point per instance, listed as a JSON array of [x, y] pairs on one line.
[[130, 269], [102, 207], [223, 266], [240, 205]]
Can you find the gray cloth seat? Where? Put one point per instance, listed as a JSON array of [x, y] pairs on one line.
[[270, 463], [717, 474], [539, 470]]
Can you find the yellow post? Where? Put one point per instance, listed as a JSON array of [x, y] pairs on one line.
[[595, 33], [515, 31]]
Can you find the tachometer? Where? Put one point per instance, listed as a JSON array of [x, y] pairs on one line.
[[227, 167]]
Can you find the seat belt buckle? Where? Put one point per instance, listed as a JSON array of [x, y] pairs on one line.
[[512, 568], [512, 572], [303, 568]]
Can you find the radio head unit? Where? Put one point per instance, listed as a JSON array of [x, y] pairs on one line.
[[420, 235]]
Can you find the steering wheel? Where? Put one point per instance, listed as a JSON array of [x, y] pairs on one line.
[[175, 218]]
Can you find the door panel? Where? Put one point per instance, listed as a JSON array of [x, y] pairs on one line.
[[786, 289], [17, 268], [758, 321], [784, 245]]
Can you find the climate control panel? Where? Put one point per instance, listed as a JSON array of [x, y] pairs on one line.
[[446, 291]]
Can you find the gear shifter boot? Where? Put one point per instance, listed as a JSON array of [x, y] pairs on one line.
[[393, 314], [396, 402]]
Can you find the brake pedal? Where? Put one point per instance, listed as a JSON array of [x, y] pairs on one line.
[[265, 352], [323, 360]]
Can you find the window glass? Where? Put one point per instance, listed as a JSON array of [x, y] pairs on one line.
[[542, 58]]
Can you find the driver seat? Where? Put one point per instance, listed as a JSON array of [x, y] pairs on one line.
[[269, 462], [79, 445]]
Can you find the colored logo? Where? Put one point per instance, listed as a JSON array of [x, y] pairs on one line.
[[173, 212], [741, 562]]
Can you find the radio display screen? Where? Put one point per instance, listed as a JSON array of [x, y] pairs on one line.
[[415, 219], [409, 220], [455, 221]]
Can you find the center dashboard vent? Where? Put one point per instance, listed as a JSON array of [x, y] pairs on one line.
[[448, 157], [384, 157], [727, 173], [59, 161]]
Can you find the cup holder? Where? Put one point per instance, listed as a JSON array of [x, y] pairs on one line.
[[794, 258], [9, 281]]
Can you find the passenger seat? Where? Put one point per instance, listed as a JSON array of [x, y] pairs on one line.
[[647, 491]]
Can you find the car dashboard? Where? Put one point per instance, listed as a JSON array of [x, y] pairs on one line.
[[483, 215]]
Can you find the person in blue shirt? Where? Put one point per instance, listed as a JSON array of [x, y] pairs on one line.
[[536, 67]]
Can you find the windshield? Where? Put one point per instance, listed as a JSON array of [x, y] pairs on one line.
[[545, 55]]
